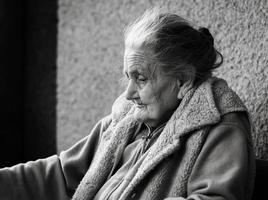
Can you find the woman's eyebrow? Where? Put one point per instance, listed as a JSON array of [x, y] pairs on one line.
[[134, 71]]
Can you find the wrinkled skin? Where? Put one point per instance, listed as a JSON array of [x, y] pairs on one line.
[[153, 92]]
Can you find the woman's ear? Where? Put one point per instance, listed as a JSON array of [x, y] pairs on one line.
[[184, 87]]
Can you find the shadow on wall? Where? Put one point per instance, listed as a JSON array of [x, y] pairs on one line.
[[27, 80]]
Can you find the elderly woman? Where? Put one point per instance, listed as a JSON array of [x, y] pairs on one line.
[[175, 133]]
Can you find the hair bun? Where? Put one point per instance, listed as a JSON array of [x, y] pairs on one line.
[[207, 34]]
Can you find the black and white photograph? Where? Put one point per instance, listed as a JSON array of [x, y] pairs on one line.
[[134, 100]]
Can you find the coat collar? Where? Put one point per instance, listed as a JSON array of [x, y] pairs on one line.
[[200, 107]]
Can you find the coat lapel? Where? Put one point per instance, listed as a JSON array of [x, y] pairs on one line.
[[112, 145]]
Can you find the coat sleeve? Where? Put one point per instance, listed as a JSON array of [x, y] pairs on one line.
[[55, 177], [223, 168]]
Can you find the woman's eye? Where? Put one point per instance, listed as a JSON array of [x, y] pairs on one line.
[[142, 78]]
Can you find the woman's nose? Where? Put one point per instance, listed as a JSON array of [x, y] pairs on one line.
[[131, 91]]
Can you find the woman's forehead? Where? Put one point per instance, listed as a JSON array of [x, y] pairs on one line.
[[137, 56], [137, 59]]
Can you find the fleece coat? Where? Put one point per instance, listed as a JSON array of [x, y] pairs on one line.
[[165, 170], [204, 152]]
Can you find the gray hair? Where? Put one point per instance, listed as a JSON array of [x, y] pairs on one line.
[[176, 46]]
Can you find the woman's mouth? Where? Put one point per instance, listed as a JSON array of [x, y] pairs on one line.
[[139, 105]]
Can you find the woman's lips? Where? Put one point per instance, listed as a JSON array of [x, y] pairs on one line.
[[140, 105]]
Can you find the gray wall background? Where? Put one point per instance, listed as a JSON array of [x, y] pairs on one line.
[[90, 55]]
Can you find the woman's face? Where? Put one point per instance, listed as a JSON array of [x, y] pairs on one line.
[[153, 93]]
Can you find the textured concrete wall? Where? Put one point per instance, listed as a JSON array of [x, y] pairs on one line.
[[90, 50]]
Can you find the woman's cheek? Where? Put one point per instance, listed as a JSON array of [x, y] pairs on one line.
[[146, 93]]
